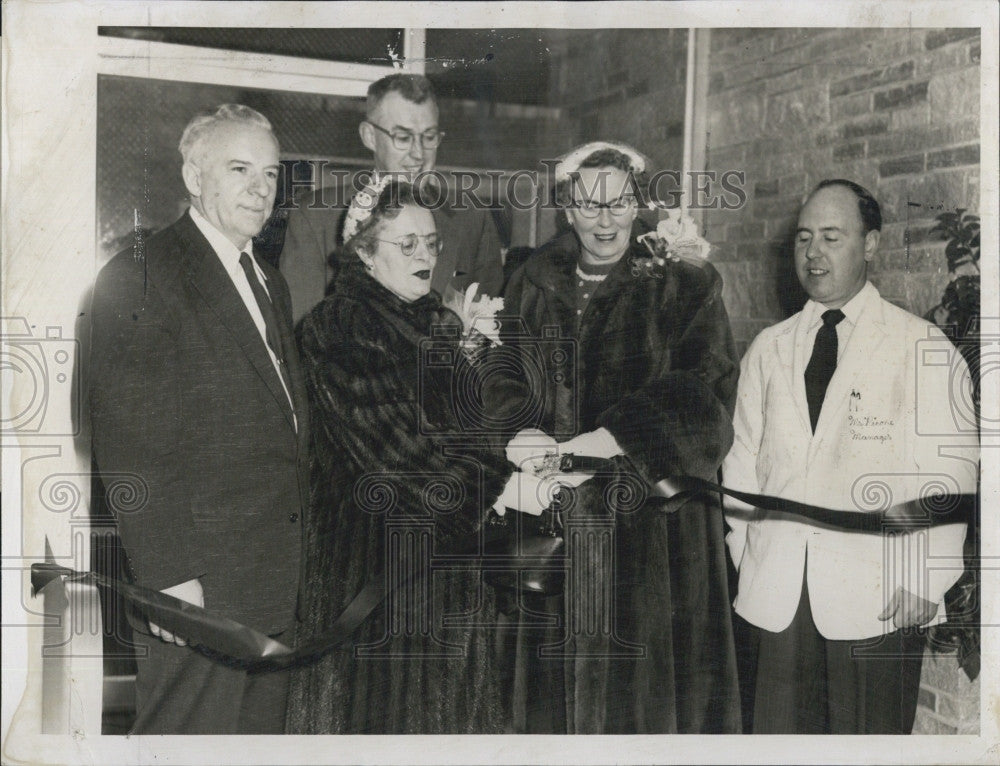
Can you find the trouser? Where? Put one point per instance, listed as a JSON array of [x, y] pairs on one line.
[[181, 691], [807, 684]]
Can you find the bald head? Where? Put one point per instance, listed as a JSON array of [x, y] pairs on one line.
[[868, 207]]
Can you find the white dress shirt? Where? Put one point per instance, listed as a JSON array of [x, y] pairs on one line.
[[229, 255]]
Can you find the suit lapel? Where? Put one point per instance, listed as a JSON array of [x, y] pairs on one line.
[[209, 277], [862, 348], [792, 370]]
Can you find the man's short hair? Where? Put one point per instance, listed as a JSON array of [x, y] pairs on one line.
[[203, 125], [868, 207], [412, 87]]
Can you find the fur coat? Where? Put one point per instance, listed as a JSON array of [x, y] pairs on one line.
[[646, 641], [400, 479]]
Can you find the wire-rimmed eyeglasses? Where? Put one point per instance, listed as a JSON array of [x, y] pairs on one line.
[[408, 243], [403, 139]]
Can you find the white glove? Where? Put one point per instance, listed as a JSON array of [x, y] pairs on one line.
[[528, 449], [527, 493], [599, 443]]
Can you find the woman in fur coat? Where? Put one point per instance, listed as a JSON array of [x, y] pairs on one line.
[[402, 482], [644, 639]]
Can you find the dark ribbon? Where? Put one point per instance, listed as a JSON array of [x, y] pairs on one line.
[[238, 644], [196, 625], [932, 510]]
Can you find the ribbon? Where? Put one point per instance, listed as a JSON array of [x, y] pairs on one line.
[[220, 635], [924, 512], [932, 510], [238, 644]]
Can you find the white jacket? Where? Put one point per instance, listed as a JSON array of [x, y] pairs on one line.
[[888, 432]]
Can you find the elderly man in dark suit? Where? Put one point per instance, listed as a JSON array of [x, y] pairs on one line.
[[196, 391], [401, 130]]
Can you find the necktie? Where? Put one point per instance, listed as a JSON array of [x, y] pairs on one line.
[[822, 363], [271, 333]]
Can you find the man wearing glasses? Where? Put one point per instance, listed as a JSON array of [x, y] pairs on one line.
[[401, 130]]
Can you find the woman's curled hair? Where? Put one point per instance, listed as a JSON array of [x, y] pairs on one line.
[[387, 206], [606, 158]]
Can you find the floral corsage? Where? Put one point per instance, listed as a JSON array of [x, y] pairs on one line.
[[676, 239], [480, 326]]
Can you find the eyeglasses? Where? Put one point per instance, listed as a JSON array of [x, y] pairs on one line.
[[621, 206], [403, 139], [408, 243]]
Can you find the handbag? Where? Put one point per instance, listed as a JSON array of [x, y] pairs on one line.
[[526, 553]]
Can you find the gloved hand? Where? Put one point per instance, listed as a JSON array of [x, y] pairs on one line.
[[599, 443], [527, 493], [528, 449]]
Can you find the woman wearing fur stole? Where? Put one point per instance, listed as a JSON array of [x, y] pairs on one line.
[[402, 481]]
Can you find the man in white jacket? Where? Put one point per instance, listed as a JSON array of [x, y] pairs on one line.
[[847, 404]]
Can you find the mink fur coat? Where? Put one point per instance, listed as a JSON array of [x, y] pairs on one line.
[[400, 479], [641, 640]]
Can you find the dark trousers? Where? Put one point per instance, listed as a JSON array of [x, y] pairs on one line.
[[181, 691], [806, 684]]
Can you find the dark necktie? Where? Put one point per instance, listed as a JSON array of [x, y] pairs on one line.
[[822, 363], [270, 318]]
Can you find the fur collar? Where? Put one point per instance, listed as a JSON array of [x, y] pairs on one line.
[[413, 319]]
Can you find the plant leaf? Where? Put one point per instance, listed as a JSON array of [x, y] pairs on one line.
[[947, 220], [953, 248]]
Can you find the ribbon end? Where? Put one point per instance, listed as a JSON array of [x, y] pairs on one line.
[[273, 648], [45, 572]]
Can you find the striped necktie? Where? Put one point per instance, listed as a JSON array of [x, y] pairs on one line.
[[271, 333]]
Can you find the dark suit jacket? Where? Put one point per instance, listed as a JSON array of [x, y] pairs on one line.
[[184, 396], [314, 223]]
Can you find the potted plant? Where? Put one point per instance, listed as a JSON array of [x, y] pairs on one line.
[[958, 316]]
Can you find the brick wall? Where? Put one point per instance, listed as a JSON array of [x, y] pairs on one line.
[[625, 84], [896, 110], [618, 85], [948, 701], [501, 136]]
